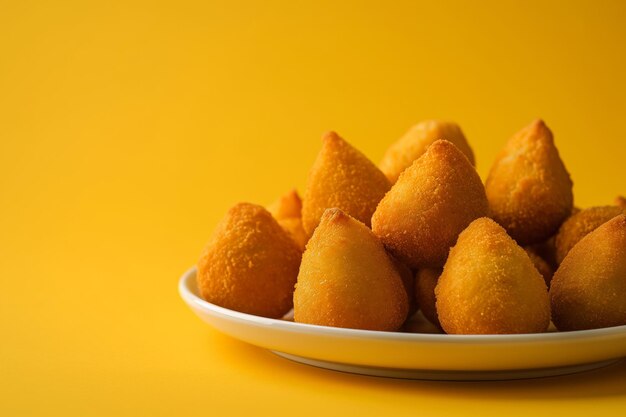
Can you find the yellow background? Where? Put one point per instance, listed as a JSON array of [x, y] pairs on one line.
[[127, 129]]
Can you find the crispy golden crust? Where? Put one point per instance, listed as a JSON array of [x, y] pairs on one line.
[[620, 201], [414, 143], [249, 264], [528, 187], [541, 265], [489, 285], [293, 227], [579, 225], [347, 279], [344, 178], [425, 283], [287, 206], [588, 290], [431, 203]]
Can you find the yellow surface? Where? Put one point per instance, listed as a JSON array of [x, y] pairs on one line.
[[128, 129]]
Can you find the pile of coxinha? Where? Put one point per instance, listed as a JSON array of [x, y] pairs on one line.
[[368, 246]]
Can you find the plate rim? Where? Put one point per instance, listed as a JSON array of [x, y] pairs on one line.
[[188, 278]]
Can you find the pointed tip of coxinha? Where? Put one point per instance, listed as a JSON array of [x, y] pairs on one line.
[[346, 278], [440, 150], [288, 205], [292, 194], [490, 227], [535, 132], [538, 124], [334, 215], [333, 142], [401, 154], [342, 177], [447, 151], [445, 147], [434, 199], [335, 220], [331, 137], [489, 285], [538, 130], [528, 186], [483, 230], [250, 264]]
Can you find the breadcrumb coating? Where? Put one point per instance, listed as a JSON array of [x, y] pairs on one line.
[[342, 177], [580, 225], [431, 203], [250, 264], [588, 290], [528, 187], [347, 279], [489, 285], [413, 144]]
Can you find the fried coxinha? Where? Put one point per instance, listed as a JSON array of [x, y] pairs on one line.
[[434, 199], [528, 187], [343, 178], [347, 279], [367, 245], [588, 290], [250, 264], [489, 285]]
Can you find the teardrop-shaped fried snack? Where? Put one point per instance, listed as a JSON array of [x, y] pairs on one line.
[[250, 264], [287, 206], [414, 143], [347, 279], [489, 285], [581, 224], [408, 281], [541, 265], [342, 177], [431, 203], [588, 290], [620, 201], [528, 187], [425, 283], [293, 227]]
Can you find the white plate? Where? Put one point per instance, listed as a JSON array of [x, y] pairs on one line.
[[416, 355]]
